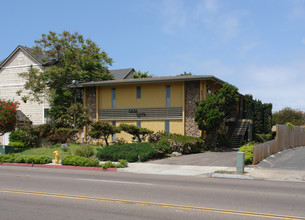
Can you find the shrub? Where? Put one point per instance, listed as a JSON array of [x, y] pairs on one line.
[[79, 161], [183, 144], [84, 151], [66, 134], [54, 138], [65, 147], [18, 135], [7, 158], [42, 159], [12, 158], [121, 164], [18, 144], [248, 149], [224, 141], [103, 130], [154, 138], [138, 133], [264, 137], [121, 141], [133, 152]]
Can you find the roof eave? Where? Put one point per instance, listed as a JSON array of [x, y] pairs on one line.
[[150, 80], [12, 54]]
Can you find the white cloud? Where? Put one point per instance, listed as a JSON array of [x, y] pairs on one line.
[[210, 15], [281, 85], [175, 15]]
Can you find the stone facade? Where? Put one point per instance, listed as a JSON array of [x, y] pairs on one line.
[[192, 94], [91, 102]]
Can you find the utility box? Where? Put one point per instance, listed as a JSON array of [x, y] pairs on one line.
[[6, 149], [240, 162]]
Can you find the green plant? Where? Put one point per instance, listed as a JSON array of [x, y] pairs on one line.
[[122, 163], [18, 144], [121, 141], [288, 115], [224, 141], [183, 144], [264, 137], [103, 130], [84, 151], [216, 109], [291, 126], [35, 159], [138, 133], [66, 134], [7, 158], [248, 149], [79, 161], [73, 58], [132, 152], [109, 164]]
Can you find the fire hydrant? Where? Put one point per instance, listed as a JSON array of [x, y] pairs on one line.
[[56, 154]]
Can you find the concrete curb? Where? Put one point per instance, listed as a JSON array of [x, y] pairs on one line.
[[231, 176], [59, 166]]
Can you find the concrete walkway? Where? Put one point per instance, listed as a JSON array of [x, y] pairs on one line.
[[187, 165], [205, 164]]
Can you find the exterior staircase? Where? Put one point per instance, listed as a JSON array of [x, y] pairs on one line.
[[239, 132]]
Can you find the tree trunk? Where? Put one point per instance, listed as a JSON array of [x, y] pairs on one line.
[[214, 139]]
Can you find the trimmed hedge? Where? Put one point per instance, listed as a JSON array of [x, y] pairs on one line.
[[35, 159], [133, 152], [79, 161], [183, 144]]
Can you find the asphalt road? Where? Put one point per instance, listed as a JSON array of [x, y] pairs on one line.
[[291, 159], [42, 193]]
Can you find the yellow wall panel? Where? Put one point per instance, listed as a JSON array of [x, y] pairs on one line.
[[152, 95]]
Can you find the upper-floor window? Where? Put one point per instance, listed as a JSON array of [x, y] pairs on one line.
[[167, 95], [138, 92], [113, 98]]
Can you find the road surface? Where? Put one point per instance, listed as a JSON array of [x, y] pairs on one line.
[[43, 193]]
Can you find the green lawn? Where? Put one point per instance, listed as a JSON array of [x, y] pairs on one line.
[[50, 149]]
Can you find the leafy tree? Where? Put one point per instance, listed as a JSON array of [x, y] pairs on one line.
[[140, 74], [216, 109], [103, 130], [8, 116], [65, 134], [185, 74], [67, 57], [76, 116], [138, 133], [288, 115], [261, 115]]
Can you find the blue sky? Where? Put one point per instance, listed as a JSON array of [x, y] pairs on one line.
[[256, 45]]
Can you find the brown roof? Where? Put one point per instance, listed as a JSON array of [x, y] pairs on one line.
[[151, 80]]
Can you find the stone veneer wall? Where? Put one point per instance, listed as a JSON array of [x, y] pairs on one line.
[[192, 94], [91, 102]]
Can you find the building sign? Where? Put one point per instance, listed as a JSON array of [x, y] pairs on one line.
[[163, 113]]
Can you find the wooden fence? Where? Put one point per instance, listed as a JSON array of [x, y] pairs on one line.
[[285, 138]]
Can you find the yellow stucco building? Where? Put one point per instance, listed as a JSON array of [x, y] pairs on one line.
[[159, 103]]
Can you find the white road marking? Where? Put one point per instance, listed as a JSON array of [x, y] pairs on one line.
[[113, 181]]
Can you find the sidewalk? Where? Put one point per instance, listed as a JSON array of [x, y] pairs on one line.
[[209, 171]]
